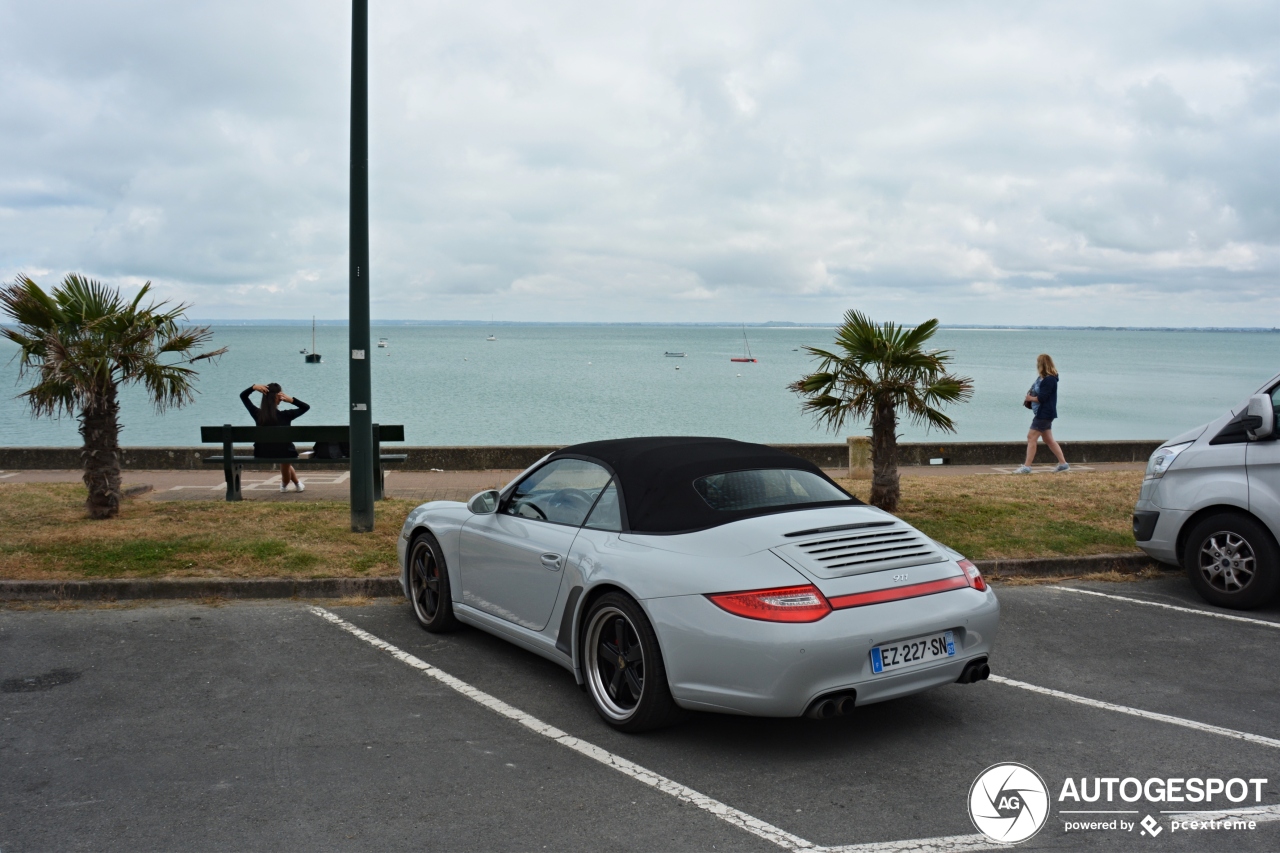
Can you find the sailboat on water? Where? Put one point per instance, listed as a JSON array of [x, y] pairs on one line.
[[312, 357], [746, 348]]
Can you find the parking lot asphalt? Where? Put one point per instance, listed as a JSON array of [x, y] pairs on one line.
[[267, 726]]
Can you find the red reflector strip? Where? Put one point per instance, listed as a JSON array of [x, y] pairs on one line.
[[915, 590]]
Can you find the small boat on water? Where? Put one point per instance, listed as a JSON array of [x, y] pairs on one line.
[[674, 354], [746, 349], [492, 338], [382, 343], [312, 357]]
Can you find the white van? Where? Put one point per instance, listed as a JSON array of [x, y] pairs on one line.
[[1210, 502]]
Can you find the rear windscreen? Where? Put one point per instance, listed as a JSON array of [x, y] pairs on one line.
[[743, 490]]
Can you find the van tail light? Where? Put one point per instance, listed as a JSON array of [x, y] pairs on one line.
[[784, 604], [972, 575]]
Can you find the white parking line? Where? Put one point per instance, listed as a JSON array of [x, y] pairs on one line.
[[1215, 615], [923, 845], [728, 814], [742, 820], [1261, 814], [1138, 712]]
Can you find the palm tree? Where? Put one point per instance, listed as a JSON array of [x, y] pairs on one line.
[[877, 372], [82, 342]]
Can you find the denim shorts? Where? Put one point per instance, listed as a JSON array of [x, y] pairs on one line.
[[1042, 424]]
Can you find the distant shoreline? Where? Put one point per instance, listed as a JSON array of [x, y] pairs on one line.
[[773, 324]]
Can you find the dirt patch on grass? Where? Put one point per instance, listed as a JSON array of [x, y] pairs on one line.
[[44, 535], [990, 516]]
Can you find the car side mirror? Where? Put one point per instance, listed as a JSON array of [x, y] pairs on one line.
[[1260, 417], [484, 503]]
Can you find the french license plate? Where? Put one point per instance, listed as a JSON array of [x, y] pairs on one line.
[[884, 658]]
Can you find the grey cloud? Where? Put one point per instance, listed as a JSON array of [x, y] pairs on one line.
[[664, 161]]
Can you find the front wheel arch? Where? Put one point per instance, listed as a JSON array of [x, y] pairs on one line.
[[1180, 544], [436, 616], [1254, 551]]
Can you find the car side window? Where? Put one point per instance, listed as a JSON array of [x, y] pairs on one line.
[[606, 515], [562, 491]]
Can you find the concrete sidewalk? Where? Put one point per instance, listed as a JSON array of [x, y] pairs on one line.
[[423, 485]]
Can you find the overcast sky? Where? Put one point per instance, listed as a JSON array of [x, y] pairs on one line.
[[1027, 163]]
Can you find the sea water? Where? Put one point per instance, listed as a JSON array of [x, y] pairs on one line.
[[547, 384]]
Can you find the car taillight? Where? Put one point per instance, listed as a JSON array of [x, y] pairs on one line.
[[972, 575], [784, 604]]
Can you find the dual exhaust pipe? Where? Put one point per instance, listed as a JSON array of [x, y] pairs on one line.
[[841, 704], [974, 670], [835, 705]]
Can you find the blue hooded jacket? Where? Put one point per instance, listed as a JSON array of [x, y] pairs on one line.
[[1047, 409]]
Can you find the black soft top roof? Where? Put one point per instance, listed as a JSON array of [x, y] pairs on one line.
[[656, 476]]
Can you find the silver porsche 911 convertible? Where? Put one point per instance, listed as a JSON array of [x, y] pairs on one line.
[[703, 574]]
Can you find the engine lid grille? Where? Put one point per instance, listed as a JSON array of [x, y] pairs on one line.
[[858, 551]]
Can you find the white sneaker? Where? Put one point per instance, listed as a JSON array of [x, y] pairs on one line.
[[1023, 470], [301, 488], [284, 487], [1062, 467]]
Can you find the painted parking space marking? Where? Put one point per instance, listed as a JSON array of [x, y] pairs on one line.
[[273, 482], [1260, 814], [1227, 616], [923, 845], [1138, 712], [724, 812], [730, 815]]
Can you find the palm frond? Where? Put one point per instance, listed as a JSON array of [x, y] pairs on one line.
[[873, 366], [83, 339]]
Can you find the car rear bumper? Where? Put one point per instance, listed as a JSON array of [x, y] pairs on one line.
[[717, 661]]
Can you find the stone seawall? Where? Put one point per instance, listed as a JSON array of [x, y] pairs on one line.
[[521, 456]]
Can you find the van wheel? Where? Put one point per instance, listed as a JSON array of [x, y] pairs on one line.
[[1233, 561]]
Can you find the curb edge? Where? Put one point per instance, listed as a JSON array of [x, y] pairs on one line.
[[389, 587]]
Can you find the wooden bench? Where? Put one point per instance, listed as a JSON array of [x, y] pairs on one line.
[[227, 435]]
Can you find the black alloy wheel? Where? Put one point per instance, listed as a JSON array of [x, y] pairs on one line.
[[623, 666], [429, 585], [1233, 561]]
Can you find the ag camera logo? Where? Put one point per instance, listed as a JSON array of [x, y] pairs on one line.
[[1009, 802]]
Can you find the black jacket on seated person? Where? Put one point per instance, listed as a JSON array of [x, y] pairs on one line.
[[273, 450]]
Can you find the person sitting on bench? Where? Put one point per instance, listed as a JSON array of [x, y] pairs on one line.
[[270, 415]]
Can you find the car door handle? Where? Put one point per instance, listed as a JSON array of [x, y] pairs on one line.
[[552, 561]]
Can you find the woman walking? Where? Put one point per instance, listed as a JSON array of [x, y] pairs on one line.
[[1042, 399], [269, 414]]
